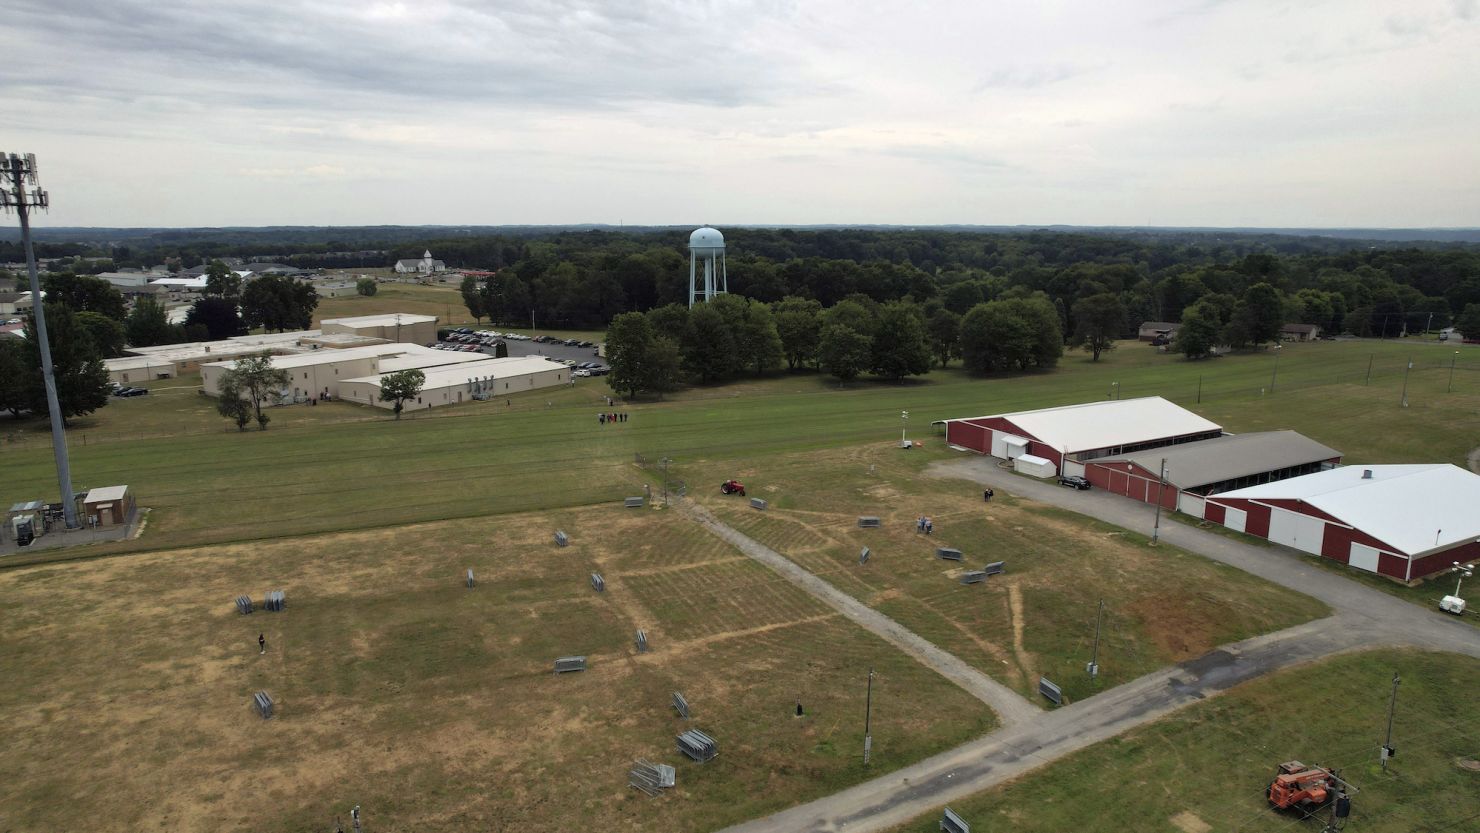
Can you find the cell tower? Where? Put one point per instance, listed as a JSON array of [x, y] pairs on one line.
[[707, 246]]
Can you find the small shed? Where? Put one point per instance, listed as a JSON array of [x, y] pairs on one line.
[[111, 505], [1033, 465]]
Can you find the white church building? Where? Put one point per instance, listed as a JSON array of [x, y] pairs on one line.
[[425, 266]]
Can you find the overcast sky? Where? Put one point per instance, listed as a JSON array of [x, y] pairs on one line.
[[1174, 112]]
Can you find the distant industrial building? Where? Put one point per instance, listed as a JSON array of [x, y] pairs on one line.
[[1401, 521], [319, 374], [397, 327], [474, 380]]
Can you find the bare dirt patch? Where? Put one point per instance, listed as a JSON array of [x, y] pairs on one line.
[[1177, 631], [1189, 822]]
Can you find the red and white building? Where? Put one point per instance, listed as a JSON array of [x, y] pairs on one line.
[[1072, 435], [1206, 467], [1402, 521]]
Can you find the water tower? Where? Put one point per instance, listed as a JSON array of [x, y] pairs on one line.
[[707, 246]]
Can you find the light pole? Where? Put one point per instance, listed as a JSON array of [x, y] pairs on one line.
[[1161, 484], [1115, 390], [1405, 381], [21, 171], [1452, 359], [1387, 745], [904, 417], [868, 713], [1275, 377], [1094, 664], [1464, 573]]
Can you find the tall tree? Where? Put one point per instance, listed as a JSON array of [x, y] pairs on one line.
[[278, 302], [232, 402], [400, 386], [798, 323], [255, 378], [106, 333], [472, 295], [899, 347], [1468, 322], [367, 287], [1257, 317], [147, 324], [1098, 321], [81, 379], [708, 346], [1199, 331], [217, 315], [944, 330], [84, 293], [664, 365], [628, 342], [222, 282], [756, 339], [844, 352]]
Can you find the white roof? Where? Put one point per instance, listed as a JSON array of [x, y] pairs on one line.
[[1108, 424], [379, 320], [188, 283], [106, 493], [1034, 460], [459, 374], [330, 356], [425, 357], [1414, 508], [135, 363]]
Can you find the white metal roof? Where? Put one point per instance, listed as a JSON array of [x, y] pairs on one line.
[[459, 374], [330, 356], [106, 493], [429, 358], [1109, 424], [135, 363], [379, 320], [1415, 508]]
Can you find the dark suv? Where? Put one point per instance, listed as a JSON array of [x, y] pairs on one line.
[[1074, 481]]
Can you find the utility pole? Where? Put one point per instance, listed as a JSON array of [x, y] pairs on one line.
[[1275, 377], [1405, 381], [1199, 390], [665, 462], [1452, 359], [1094, 664], [20, 171], [1387, 745], [1369, 368], [1161, 484], [868, 713], [904, 417]]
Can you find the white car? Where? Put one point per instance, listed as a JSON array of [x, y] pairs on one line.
[[582, 372]]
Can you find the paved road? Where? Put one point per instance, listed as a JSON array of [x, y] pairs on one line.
[[1362, 618], [1010, 707]]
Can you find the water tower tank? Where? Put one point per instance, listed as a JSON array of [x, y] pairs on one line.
[[706, 240]]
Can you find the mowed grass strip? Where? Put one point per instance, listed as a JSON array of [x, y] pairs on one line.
[[1163, 605], [433, 706], [1206, 767], [311, 473]]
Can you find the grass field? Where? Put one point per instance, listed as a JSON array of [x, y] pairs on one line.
[[432, 705], [209, 483], [1162, 605], [1205, 769]]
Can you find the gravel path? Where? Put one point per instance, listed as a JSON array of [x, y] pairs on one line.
[[1010, 707]]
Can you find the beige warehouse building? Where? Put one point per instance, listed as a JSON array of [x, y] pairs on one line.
[[396, 327], [320, 374], [451, 384]]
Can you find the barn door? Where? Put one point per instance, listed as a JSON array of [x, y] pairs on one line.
[[1234, 519]]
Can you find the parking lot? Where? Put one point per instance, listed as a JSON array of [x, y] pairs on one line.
[[525, 346]]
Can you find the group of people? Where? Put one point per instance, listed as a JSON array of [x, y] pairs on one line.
[[987, 495], [614, 416], [924, 524]]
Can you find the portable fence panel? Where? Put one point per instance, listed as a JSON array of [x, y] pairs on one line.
[[561, 539], [566, 664], [697, 746], [948, 554], [681, 705], [275, 601], [642, 643], [651, 778], [973, 577], [757, 503], [1051, 691], [263, 704], [996, 568], [633, 502], [863, 555], [470, 578], [868, 522], [598, 582], [952, 823], [244, 604]]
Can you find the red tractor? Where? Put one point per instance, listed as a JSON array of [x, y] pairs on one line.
[[732, 487], [1297, 786]]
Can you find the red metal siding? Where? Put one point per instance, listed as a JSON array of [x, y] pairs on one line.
[[1213, 512], [1131, 481], [1440, 561], [969, 434]]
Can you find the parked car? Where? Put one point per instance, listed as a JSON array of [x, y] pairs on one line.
[[599, 371], [582, 372], [1074, 481], [127, 392]]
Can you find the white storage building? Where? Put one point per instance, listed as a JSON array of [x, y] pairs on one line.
[[451, 384]]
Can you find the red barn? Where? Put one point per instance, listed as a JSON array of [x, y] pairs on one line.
[[1070, 435], [1196, 470], [1404, 522]]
